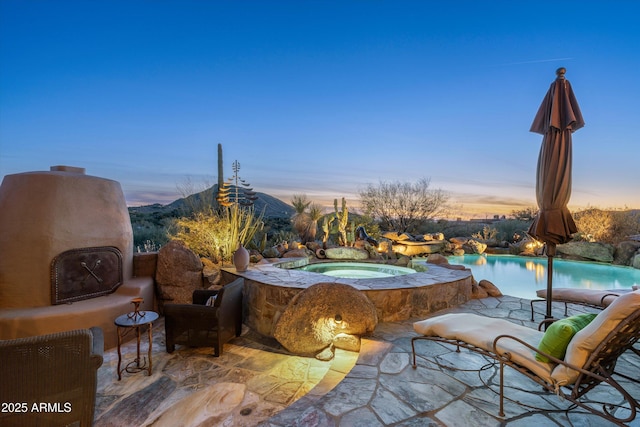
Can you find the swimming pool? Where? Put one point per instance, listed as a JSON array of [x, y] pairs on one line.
[[522, 276], [357, 270]]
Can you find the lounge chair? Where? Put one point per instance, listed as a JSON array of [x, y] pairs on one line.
[[586, 297], [591, 354], [199, 325]]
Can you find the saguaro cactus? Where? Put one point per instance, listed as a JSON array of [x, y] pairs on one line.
[[343, 220]]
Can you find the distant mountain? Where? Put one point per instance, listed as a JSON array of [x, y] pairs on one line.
[[273, 208]]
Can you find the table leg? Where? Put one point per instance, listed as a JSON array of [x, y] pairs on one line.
[[119, 352], [150, 344], [138, 347]]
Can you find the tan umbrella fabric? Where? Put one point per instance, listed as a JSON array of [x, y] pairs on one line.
[[557, 118]]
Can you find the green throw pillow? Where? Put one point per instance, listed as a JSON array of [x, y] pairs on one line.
[[557, 336]]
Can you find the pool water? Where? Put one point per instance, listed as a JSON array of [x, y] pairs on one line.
[[357, 270], [522, 276]]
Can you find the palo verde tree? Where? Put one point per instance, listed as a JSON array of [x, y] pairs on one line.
[[403, 206]]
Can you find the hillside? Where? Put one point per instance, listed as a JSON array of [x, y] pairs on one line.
[[273, 207]]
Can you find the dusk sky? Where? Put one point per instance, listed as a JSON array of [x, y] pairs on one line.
[[321, 97]]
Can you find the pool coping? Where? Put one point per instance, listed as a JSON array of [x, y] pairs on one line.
[[284, 274], [269, 289]]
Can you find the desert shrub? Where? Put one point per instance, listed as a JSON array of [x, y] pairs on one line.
[[606, 226], [526, 214], [148, 235], [217, 235], [512, 230], [403, 206], [488, 233]]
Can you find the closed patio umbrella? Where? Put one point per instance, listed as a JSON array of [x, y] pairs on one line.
[[557, 118]]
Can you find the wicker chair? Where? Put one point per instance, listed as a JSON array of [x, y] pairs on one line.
[[590, 358], [56, 372], [199, 325]]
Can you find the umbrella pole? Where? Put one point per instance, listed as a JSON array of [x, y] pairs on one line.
[[549, 285]]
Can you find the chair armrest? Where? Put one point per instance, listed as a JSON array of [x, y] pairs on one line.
[[507, 356], [607, 295], [200, 296], [182, 311], [97, 342]]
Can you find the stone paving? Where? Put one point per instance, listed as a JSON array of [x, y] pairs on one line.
[[256, 383]]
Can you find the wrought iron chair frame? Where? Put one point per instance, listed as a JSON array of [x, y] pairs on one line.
[[599, 368]]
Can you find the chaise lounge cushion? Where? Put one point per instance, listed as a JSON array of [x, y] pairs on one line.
[[481, 331], [592, 297], [587, 340], [559, 333]]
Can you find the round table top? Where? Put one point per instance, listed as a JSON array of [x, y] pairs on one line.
[[127, 320]]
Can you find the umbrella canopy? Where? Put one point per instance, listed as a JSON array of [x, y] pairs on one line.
[[557, 118]]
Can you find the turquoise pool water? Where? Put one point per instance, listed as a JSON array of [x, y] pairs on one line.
[[357, 270], [523, 276]]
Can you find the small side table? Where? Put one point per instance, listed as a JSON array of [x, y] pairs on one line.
[[135, 321]]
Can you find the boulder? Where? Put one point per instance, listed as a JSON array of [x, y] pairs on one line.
[[593, 251], [624, 252], [491, 289], [178, 274], [417, 248], [316, 316], [347, 342], [271, 252], [313, 246], [458, 241], [396, 237], [298, 253], [477, 292], [210, 274], [635, 262], [474, 247], [437, 259], [344, 252]]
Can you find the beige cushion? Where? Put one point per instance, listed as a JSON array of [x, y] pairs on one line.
[[586, 296], [585, 341], [481, 331]]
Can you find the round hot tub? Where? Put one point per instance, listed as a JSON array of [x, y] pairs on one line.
[[357, 270]]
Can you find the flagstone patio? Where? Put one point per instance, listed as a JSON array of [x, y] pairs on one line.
[[257, 383]]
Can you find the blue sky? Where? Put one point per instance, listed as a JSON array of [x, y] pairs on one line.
[[320, 97]]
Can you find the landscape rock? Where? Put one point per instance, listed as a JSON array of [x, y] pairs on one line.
[[477, 292], [437, 259], [474, 247], [491, 289], [316, 316], [313, 246], [415, 248], [347, 342], [271, 253], [593, 251], [344, 252], [178, 274], [458, 241], [210, 274], [624, 252], [298, 253]]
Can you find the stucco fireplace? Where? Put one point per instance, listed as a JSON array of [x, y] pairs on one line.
[[66, 254]]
